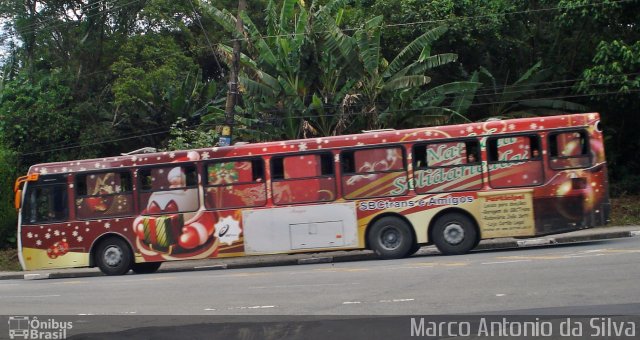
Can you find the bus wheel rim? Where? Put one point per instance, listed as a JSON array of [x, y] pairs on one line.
[[390, 238], [112, 256], [454, 233]]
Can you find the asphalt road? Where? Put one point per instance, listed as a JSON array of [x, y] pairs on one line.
[[587, 278]]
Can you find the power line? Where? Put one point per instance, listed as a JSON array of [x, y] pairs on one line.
[[34, 28], [296, 117], [415, 23], [346, 29]]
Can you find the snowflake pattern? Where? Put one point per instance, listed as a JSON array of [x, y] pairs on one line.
[[302, 146], [29, 235], [205, 155], [47, 236]]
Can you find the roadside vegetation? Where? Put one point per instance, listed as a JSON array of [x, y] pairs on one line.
[[9, 260], [625, 210], [83, 79]]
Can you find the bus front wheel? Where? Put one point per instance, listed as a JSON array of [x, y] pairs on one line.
[[454, 234], [113, 256], [391, 238]]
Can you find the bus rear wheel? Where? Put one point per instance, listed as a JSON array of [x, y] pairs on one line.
[[146, 267], [391, 238], [454, 234], [113, 256]]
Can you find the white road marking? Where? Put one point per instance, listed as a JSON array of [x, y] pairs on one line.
[[252, 307], [501, 262], [243, 307], [397, 300], [29, 296], [501, 294], [351, 302], [309, 285], [586, 255]]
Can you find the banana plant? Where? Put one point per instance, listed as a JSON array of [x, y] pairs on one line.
[[517, 99]]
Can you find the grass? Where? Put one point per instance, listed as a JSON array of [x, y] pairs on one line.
[[625, 211], [9, 260]]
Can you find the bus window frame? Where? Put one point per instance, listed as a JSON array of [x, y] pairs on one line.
[[140, 191], [583, 133], [539, 158], [44, 181], [206, 185], [353, 149], [478, 162], [112, 170], [281, 157]]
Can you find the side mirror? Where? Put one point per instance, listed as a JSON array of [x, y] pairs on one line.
[[18, 199]]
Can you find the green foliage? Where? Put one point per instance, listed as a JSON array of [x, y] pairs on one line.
[[155, 93], [36, 116], [518, 98], [319, 79], [83, 81], [8, 218], [615, 68]]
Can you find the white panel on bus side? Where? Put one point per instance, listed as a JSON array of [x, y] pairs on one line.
[[320, 226]]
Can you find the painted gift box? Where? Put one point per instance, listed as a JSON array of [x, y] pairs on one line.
[[161, 233]]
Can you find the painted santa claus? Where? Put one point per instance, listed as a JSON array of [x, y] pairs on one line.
[[174, 218]]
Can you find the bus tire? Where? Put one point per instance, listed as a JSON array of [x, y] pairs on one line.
[[454, 234], [145, 267], [113, 256], [391, 238], [414, 249]]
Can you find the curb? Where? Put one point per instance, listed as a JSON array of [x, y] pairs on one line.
[[488, 245]]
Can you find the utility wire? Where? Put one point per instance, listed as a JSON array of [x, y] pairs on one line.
[[297, 117]]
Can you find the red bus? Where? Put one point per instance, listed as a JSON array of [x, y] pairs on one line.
[[389, 191]]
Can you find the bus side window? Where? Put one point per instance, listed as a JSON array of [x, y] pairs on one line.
[[473, 152], [47, 204], [569, 150], [347, 162], [191, 175], [257, 170], [326, 164], [534, 144], [492, 150], [420, 156], [277, 168]]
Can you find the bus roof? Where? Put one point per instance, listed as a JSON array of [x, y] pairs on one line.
[[474, 129]]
